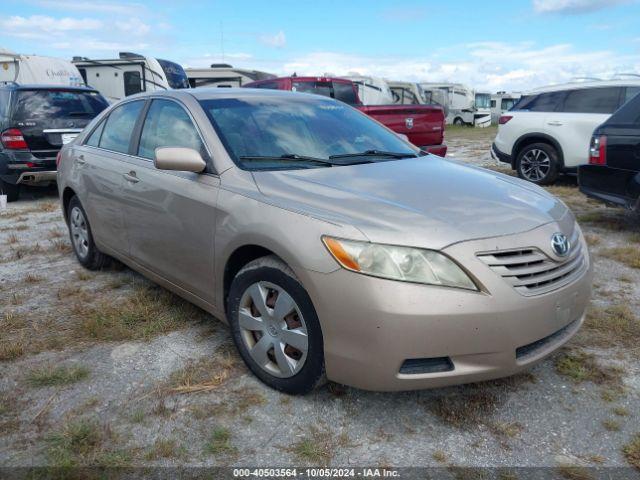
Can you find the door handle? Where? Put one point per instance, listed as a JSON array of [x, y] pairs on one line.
[[131, 177], [555, 123], [80, 160]]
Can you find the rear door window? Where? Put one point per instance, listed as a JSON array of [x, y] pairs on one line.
[[94, 138], [543, 102], [592, 100], [168, 125], [117, 131], [39, 104]]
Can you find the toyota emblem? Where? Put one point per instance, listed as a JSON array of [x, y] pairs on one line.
[[560, 244]]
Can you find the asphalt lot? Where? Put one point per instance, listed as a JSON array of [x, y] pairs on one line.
[[104, 368]]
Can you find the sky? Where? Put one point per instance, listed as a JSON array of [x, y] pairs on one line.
[[511, 45]]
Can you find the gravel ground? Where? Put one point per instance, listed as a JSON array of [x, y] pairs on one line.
[[107, 369]]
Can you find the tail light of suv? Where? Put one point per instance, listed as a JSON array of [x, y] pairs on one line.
[[598, 150], [12, 139], [504, 119]]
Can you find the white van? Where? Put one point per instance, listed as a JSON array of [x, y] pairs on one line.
[[37, 70], [129, 74], [549, 130]]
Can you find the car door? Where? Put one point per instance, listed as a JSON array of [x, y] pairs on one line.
[[575, 119], [99, 164], [169, 215]]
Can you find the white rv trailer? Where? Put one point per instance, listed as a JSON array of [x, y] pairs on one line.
[[459, 101], [36, 69], [372, 90], [502, 102], [407, 93], [223, 75], [131, 73], [482, 115]]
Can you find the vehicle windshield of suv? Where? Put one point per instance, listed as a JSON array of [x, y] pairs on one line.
[[275, 133], [176, 76], [35, 104], [338, 90]]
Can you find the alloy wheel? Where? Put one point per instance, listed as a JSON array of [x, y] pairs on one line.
[[535, 165], [273, 329], [79, 232]]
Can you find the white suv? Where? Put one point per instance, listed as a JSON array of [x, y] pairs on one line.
[[548, 131]]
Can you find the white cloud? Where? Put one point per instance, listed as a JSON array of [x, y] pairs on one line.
[[573, 6], [278, 40], [133, 26], [98, 7], [40, 24]]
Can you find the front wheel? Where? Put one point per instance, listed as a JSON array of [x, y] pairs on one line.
[[459, 122], [538, 163], [275, 326]]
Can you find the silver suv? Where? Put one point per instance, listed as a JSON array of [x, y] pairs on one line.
[[330, 245]]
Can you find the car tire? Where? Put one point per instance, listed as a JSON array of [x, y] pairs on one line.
[[82, 239], [262, 327], [11, 190], [538, 163], [459, 122]]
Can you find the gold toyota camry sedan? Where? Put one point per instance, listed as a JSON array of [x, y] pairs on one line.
[[331, 246]]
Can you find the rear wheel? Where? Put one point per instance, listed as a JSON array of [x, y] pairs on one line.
[[81, 238], [11, 190], [275, 326], [538, 163], [458, 121]]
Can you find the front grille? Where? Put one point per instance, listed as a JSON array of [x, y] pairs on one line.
[[531, 272]]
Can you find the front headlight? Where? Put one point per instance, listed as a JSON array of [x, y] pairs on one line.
[[398, 263]]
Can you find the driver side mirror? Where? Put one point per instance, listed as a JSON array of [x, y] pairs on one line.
[[180, 159]]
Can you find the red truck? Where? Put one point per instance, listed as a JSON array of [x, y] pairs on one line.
[[422, 124]]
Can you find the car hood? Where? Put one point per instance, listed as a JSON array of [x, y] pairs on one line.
[[427, 202]]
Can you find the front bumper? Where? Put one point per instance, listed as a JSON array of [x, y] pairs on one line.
[[371, 326]]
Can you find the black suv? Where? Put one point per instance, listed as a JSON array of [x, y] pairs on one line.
[[35, 121], [613, 173]]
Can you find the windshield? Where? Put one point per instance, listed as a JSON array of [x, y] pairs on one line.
[[483, 100], [32, 104], [273, 127], [176, 76]]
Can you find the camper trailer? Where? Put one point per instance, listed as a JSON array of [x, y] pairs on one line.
[[129, 74], [37, 70], [482, 114], [223, 75], [372, 90], [502, 102], [458, 100], [407, 93]]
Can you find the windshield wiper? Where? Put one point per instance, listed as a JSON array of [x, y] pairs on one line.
[[375, 153], [289, 157]]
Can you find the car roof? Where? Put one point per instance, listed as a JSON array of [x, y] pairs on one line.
[[17, 86], [587, 84]]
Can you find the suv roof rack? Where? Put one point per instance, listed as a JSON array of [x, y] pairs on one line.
[[622, 74]]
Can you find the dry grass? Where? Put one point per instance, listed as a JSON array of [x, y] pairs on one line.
[[631, 451], [18, 253], [49, 375], [220, 442], [581, 367], [145, 313], [32, 278], [621, 411], [615, 325], [12, 239], [205, 374], [439, 456], [165, 448], [316, 448], [593, 239], [628, 255], [574, 472], [611, 425], [61, 246], [464, 410], [609, 219]]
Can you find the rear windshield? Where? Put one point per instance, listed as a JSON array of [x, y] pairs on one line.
[[176, 76], [340, 91], [33, 104]]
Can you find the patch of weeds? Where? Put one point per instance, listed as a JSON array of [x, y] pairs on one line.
[[165, 448], [623, 278], [220, 442], [32, 278], [631, 451], [78, 443], [505, 429], [317, 447], [23, 251], [599, 459], [118, 282], [466, 408], [56, 233], [574, 472], [16, 299], [580, 366], [143, 314], [50, 375], [69, 291], [615, 325], [621, 411], [11, 350], [236, 403], [61, 246], [12, 239], [83, 275], [605, 218], [49, 207], [439, 456], [138, 416], [611, 425], [627, 255]]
